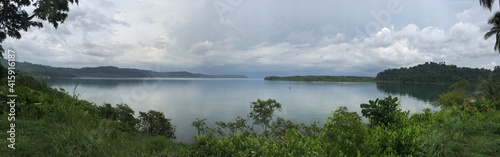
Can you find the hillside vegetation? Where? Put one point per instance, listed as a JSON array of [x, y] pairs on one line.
[[431, 72], [428, 72], [51, 122], [105, 72]]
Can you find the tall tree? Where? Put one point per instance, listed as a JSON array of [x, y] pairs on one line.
[[495, 30], [14, 15], [487, 3], [495, 21]]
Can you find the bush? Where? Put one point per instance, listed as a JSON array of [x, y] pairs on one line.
[[155, 123], [262, 112], [383, 112], [346, 131], [456, 96], [125, 114], [121, 113]]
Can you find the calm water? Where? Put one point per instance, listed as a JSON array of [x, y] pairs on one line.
[[183, 100]]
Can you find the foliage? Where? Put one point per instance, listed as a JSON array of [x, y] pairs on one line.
[[495, 21], [453, 132], [121, 113], [104, 72], [346, 130], [14, 15], [490, 88], [238, 125], [50, 122], [451, 98], [155, 123], [200, 125], [391, 131], [321, 78], [383, 112], [85, 138], [67, 130], [433, 72], [495, 30], [456, 96], [262, 112], [487, 3], [294, 144]]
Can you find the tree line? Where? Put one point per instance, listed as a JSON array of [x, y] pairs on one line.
[[43, 71], [321, 78], [435, 72]]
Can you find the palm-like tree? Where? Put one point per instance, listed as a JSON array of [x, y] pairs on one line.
[[487, 3], [495, 30], [495, 21]]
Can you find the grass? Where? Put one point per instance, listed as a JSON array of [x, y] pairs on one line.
[[94, 138], [53, 123], [457, 133]]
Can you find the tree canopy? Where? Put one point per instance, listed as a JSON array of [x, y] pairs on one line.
[[15, 16], [495, 21], [434, 72]]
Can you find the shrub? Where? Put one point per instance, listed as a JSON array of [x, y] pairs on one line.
[[383, 112], [346, 131], [121, 113], [262, 112], [125, 114], [456, 96], [154, 122]]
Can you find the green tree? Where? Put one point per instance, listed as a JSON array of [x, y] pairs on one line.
[[14, 15], [456, 96], [495, 21], [490, 88], [487, 3], [495, 30], [200, 125], [154, 122], [262, 112], [121, 113], [239, 124], [107, 111], [125, 114], [346, 130], [382, 112]]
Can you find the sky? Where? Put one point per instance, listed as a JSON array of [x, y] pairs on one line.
[[258, 38]]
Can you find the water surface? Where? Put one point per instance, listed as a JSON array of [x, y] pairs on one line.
[[183, 100]]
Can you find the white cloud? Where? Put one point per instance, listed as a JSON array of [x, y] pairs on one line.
[[190, 35], [490, 65]]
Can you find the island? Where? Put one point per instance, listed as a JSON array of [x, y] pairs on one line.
[[310, 78], [44, 71], [428, 72]]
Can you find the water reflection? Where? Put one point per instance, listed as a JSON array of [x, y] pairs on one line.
[[423, 92], [183, 100]]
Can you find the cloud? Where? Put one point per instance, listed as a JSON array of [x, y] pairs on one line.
[[261, 37], [386, 49], [490, 65]]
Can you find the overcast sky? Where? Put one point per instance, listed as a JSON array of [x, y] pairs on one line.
[[264, 37]]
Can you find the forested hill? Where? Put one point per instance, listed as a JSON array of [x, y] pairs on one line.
[[105, 72], [434, 72]]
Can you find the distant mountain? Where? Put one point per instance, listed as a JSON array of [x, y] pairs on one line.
[[105, 72]]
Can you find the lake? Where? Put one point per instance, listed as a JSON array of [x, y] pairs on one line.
[[183, 100]]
